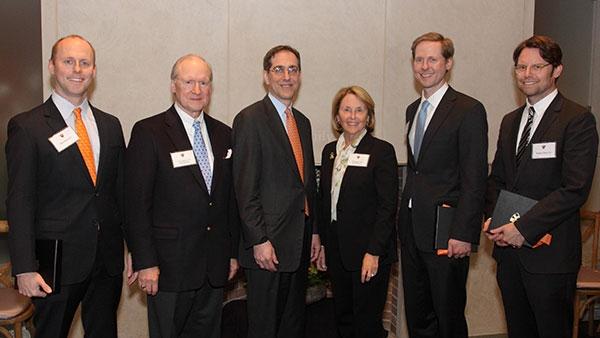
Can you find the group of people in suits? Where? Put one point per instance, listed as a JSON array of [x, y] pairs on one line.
[[195, 199]]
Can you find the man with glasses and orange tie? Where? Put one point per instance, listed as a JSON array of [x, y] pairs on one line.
[[274, 177], [182, 220], [546, 151], [65, 162]]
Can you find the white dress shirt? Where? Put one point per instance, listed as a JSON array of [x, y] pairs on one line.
[[434, 102], [188, 124], [340, 164], [66, 111], [540, 108]]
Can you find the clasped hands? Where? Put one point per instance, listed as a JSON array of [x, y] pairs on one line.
[[505, 235]]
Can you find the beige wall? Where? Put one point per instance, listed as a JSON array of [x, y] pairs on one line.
[[342, 42]]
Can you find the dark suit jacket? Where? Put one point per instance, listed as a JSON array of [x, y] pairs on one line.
[[51, 194], [270, 193], [451, 169], [172, 221], [561, 184], [366, 207]]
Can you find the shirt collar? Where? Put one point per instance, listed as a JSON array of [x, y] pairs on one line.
[[339, 147], [435, 98], [544, 103], [66, 108], [279, 106], [186, 118]]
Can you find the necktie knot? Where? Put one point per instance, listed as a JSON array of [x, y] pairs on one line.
[[77, 112], [531, 112]]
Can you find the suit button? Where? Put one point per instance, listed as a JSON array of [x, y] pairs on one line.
[[211, 204], [207, 228], [417, 172], [97, 194]]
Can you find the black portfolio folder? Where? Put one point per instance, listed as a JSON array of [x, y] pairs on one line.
[[48, 253], [444, 217], [509, 208]]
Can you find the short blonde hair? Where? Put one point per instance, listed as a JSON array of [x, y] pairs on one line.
[[364, 96]]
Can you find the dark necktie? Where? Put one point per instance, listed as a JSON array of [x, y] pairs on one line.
[[524, 141]]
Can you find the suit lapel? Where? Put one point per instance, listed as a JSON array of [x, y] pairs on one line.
[[512, 141], [412, 111], [277, 128], [440, 115], [56, 123], [103, 136], [218, 150], [176, 132]]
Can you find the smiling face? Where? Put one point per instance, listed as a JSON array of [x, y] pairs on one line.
[[534, 78], [284, 84], [192, 85], [430, 66], [73, 68], [352, 116]]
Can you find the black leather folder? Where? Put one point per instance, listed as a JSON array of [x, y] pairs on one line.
[[444, 217], [48, 253], [510, 207]]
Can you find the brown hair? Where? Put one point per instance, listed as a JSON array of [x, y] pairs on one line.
[[447, 45], [271, 53], [549, 50]]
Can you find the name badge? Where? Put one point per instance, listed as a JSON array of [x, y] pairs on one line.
[[183, 158], [63, 139], [358, 160], [543, 150]]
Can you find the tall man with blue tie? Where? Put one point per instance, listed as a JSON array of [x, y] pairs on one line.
[[447, 166], [546, 151], [65, 166], [182, 220]]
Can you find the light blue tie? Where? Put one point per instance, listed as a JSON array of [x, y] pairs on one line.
[[202, 155], [420, 131]]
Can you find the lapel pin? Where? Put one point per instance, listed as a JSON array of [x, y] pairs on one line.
[[331, 155]]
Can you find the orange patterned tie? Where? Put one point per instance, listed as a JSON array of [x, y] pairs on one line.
[[294, 136], [84, 145]]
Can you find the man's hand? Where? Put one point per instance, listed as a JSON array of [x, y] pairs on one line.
[[148, 280], [234, 266], [31, 284], [321, 266], [265, 257], [370, 266], [494, 237], [315, 248], [131, 275], [458, 249], [508, 234]]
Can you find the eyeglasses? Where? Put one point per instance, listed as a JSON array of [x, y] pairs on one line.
[[292, 70], [191, 84], [533, 68]]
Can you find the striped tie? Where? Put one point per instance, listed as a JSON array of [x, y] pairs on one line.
[[524, 141], [84, 145], [294, 136]]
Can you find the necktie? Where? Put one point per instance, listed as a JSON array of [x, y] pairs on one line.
[[84, 145], [294, 136], [202, 155], [524, 141], [420, 129]]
